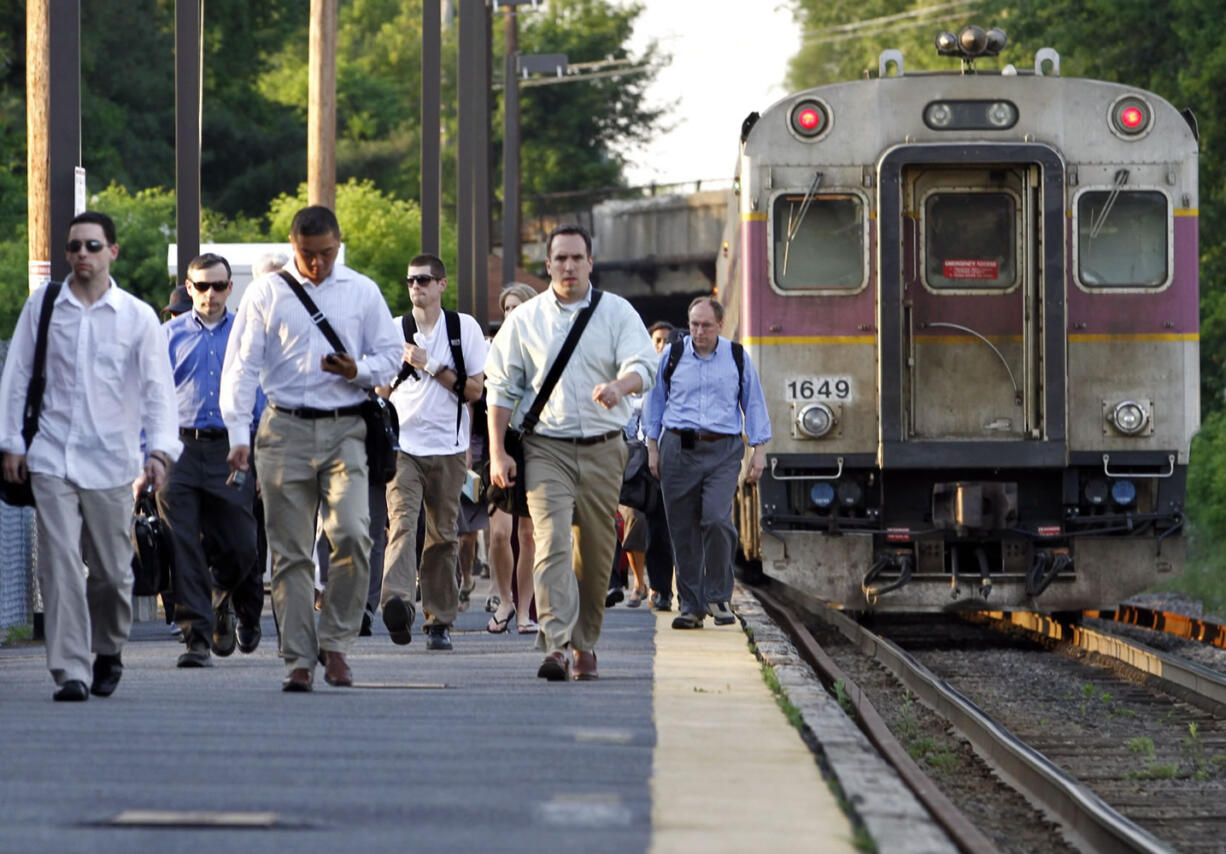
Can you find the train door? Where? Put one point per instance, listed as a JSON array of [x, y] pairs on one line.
[[971, 306]]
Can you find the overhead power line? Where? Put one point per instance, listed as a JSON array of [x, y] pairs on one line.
[[854, 26]]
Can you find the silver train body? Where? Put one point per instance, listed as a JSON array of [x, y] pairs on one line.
[[972, 298]]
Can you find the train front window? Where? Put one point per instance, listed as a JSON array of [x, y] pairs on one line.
[[1122, 239], [970, 241], [819, 244]]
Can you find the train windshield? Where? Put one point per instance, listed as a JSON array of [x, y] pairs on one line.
[[970, 240], [826, 245], [1122, 238]]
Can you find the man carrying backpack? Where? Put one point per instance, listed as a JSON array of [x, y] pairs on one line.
[[443, 369], [693, 423]]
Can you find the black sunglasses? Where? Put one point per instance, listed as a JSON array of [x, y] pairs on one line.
[[204, 286], [91, 245], [420, 279]]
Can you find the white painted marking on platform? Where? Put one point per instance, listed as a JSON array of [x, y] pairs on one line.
[[602, 809]]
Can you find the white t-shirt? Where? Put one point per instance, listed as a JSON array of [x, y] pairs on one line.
[[427, 409]]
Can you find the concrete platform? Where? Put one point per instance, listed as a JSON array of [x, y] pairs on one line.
[[679, 746]]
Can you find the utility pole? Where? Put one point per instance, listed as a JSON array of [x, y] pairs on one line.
[[431, 125], [472, 184], [321, 105], [53, 130], [510, 147], [189, 24]]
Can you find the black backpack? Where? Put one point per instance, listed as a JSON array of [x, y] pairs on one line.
[[674, 356], [454, 340]]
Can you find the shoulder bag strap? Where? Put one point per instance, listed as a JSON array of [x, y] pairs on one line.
[[408, 323], [555, 370], [674, 356], [317, 316], [38, 377], [456, 342]]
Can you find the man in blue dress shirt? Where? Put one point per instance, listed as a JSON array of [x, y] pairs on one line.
[[210, 517], [693, 423]]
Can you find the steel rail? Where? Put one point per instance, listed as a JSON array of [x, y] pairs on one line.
[[1188, 675], [1192, 628], [1089, 821], [960, 829]]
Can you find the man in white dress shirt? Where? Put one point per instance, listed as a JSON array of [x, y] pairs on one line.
[[108, 376], [311, 442], [576, 455], [435, 424]]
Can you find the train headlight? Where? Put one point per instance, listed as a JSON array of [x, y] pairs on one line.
[[938, 115], [1129, 417], [815, 420], [1096, 492], [850, 494], [1123, 492], [1002, 114], [1130, 116], [809, 119], [822, 495]]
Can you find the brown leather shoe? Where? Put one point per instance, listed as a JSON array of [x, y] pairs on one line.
[[298, 681], [336, 669], [585, 666], [555, 667]]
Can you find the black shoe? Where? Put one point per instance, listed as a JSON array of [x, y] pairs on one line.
[[107, 670], [197, 655], [438, 636], [72, 691], [364, 631], [614, 596], [660, 602], [249, 637], [398, 617], [688, 621], [223, 629]]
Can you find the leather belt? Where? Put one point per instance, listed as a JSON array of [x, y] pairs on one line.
[[203, 434], [308, 412], [586, 440], [703, 436]]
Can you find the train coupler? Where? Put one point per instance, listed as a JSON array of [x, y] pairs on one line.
[[901, 561]]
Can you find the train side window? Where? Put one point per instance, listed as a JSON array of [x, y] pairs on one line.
[[1122, 241], [970, 241], [820, 245]]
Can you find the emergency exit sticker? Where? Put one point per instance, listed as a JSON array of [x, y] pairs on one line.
[[971, 269]]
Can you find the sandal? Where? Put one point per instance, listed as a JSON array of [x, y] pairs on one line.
[[636, 598], [528, 628], [466, 595], [497, 626]]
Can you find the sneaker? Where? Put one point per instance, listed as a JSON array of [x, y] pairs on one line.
[[197, 655], [398, 617], [492, 603], [721, 613], [687, 621], [438, 636]]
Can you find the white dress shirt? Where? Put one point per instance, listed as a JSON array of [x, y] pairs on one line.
[[275, 345], [427, 409], [614, 343], [108, 376]]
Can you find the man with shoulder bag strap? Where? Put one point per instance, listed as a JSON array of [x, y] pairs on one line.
[[443, 369], [575, 456], [311, 442]]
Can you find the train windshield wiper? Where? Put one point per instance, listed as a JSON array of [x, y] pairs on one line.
[[1096, 226], [795, 218]]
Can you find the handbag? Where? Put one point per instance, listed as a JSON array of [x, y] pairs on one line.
[[640, 489], [382, 422], [22, 494], [514, 499], [153, 549]]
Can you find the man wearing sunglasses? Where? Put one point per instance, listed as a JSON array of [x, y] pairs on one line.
[[311, 442], [108, 377], [210, 515], [430, 396]]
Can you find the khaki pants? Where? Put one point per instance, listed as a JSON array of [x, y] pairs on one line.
[[83, 609], [436, 481], [572, 499], [309, 463]]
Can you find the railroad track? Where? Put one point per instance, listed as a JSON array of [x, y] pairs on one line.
[[1127, 769]]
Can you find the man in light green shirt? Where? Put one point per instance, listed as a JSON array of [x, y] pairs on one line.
[[575, 457]]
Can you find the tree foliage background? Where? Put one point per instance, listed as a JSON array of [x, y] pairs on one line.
[[254, 125]]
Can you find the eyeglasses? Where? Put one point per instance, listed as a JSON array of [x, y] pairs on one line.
[[204, 286], [419, 279], [92, 245]]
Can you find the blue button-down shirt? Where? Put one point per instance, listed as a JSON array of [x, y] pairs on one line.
[[703, 396], [196, 356]]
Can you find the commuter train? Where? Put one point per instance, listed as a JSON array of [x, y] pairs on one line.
[[972, 298]]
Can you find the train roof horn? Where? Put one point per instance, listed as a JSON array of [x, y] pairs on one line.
[[971, 43]]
